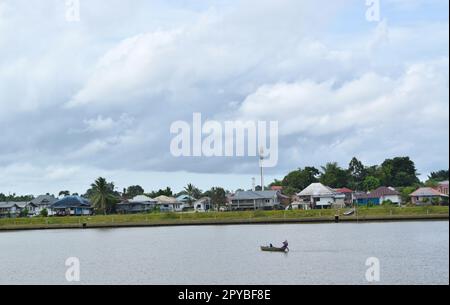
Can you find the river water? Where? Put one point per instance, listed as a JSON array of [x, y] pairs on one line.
[[408, 253]]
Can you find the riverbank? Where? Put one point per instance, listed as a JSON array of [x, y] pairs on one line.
[[227, 218]]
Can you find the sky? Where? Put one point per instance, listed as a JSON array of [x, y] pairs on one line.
[[97, 96]]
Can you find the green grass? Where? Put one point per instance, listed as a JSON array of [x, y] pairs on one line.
[[219, 217]]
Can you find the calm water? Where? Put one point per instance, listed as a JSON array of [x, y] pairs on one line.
[[409, 253]]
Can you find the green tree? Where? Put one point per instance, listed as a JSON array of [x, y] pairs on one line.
[[103, 198], [43, 213], [24, 212], [405, 192], [64, 193], [399, 172], [166, 192], [218, 197], [439, 176], [334, 176], [371, 183], [300, 179], [192, 192], [133, 191], [357, 173]]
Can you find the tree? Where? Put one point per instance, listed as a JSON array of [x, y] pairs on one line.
[[43, 213], [334, 176], [399, 172], [24, 212], [357, 173], [371, 183], [300, 179], [439, 176], [133, 191], [218, 197], [64, 193], [166, 192], [405, 192], [103, 197]]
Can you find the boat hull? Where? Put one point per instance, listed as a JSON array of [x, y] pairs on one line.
[[274, 249]]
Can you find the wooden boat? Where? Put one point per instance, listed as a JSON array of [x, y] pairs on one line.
[[274, 249], [349, 213]]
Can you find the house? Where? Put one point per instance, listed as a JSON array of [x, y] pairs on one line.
[[139, 204], [203, 205], [378, 196], [186, 200], [299, 205], [348, 195], [443, 187], [28, 206], [256, 200], [9, 210], [428, 196], [43, 202], [320, 196], [168, 204], [71, 206]]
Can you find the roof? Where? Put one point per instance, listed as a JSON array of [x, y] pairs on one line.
[[443, 183], [165, 200], [276, 188], [7, 205], [44, 200], [427, 192], [142, 198], [253, 195], [379, 192], [71, 202], [23, 204], [317, 189], [344, 190], [185, 197]]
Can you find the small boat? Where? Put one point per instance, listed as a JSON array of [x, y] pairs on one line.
[[350, 212], [274, 249]]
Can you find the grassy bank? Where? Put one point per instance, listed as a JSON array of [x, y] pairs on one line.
[[159, 219]]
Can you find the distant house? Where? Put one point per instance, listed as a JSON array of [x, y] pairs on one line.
[[168, 204], [186, 200], [139, 204], [378, 196], [319, 196], [256, 200], [71, 206], [43, 202], [427, 196], [443, 187], [348, 195], [14, 209], [9, 210], [203, 205]]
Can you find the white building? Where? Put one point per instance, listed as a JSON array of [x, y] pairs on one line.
[[319, 196]]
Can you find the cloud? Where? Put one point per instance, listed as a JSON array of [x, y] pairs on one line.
[[99, 96]]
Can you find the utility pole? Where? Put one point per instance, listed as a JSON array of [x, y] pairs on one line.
[[261, 166]]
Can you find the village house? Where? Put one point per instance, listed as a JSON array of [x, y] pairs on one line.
[[186, 200], [168, 204], [379, 196], [428, 196], [15, 209], [443, 187], [72, 206], [256, 200], [43, 202], [319, 196], [203, 205], [139, 204], [348, 195]]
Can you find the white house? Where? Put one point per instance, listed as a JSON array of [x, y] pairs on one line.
[[256, 200], [43, 202], [203, 205], [318, 195], [168, 204]]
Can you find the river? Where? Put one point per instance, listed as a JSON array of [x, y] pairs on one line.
[[407, 252]]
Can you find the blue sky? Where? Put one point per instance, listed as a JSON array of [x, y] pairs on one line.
[[97, 97]]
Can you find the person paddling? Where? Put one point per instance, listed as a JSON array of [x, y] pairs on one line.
[[285, 245]]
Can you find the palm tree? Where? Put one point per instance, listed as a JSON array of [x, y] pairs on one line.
[[64, 193], [191, 191], [103, 198]]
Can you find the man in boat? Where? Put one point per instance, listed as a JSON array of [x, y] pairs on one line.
[[285, 245]]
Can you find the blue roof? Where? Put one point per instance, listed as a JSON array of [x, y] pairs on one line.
[[71, 202]]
